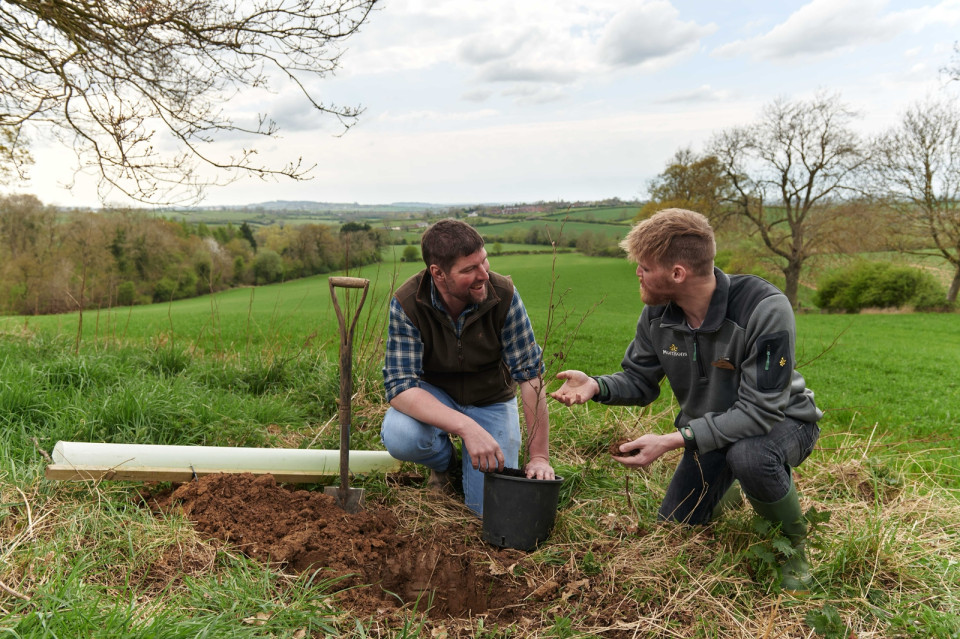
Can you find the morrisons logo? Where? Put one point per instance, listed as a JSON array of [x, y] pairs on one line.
[[674, 352]]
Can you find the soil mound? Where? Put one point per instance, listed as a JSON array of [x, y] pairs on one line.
[[299, 530]]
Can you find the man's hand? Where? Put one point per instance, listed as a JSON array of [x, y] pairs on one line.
[[539, 468], [578, 388], [485, 453], [649, 448]]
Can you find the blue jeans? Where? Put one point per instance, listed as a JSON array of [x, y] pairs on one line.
[[762, 465], [407, 439]]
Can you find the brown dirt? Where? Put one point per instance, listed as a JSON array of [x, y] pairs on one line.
[[298, 530], [615, 448]]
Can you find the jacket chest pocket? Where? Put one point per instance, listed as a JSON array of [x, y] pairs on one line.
[[774, 361]]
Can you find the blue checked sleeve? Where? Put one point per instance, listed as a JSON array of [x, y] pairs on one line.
[[404, 353], [521, 353]]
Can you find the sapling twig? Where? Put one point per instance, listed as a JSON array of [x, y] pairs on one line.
[[566, 342]]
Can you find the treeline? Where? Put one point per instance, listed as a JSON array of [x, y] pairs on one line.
[[55, 262], [803, 180]]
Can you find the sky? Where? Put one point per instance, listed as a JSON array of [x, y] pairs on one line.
[[484, 101]]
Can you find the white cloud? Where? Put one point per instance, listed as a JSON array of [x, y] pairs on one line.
[[500, 100], [527, 71], [945, 13], [824, 27], [534, 94], [435, 116], [703, 93], [481, 49], [649, 33], [476, 95], [538, 42]]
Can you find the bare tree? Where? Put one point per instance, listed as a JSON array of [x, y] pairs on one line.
[[120, 81], [788, 172], [917, 167]]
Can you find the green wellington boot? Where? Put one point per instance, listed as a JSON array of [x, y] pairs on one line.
[[787, 514], [731, 500]]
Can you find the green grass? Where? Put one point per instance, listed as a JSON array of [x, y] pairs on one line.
[[883, 371], [256, 367], [506, 248], [623, 214], [559, 228], [611, 222]]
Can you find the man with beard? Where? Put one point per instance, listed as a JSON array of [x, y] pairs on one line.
[[726, 345], [459, 344]]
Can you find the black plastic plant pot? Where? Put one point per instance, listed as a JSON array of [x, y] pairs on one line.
[[518, 512]]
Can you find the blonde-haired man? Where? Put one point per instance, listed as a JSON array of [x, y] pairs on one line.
[[726, 344]]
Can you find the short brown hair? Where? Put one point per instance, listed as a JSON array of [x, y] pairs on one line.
[[673, 236], [447, 241]]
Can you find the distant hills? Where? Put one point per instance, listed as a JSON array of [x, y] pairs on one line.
[[301, 212], [307, 211], [308, 206]]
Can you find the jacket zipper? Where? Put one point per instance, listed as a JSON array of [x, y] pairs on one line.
[[700, 369]]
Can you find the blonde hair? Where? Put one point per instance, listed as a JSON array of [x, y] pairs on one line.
[[673, 236]]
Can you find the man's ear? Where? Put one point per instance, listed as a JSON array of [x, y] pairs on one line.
[[436, 271], [679, 273]]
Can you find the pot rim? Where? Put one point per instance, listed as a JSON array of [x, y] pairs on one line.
[[500, 475]]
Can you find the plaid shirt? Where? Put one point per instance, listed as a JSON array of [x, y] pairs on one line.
[[403, 366]]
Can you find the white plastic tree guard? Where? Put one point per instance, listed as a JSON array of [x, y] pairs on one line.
[[84, 461]]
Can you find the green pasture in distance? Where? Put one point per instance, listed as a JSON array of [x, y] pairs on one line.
[[893, 373], [510, 247], [290, 313], [559, 229], [254, 217], [410, 237], [297, 220], [568, 223], [394, 252], [278, 316], [494, 249], [623, 214], [487, 220], [315, 213]]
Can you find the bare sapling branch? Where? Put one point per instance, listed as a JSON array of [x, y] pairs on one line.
[[141, 90]]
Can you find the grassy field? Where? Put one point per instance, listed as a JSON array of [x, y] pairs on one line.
[[595, 304], [270, 213], [622, 214], [558, 227], [256, 367], [393, 252]]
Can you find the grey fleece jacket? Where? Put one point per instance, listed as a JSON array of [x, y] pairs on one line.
[[733, 377]]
